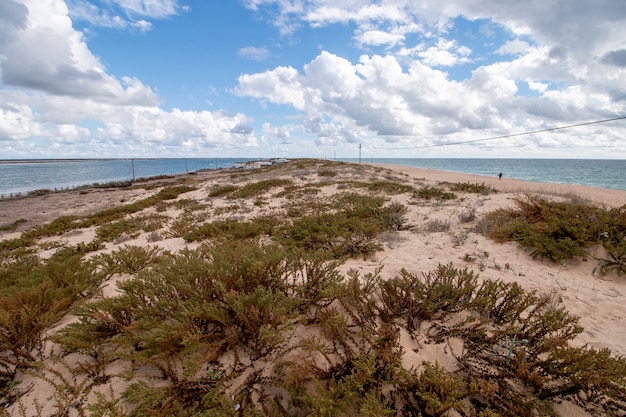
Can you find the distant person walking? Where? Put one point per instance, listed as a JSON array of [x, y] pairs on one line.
[[499, 176]]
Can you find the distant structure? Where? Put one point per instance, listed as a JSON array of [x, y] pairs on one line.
[[260, 163]]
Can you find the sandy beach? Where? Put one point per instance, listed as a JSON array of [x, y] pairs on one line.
[[599, 300]]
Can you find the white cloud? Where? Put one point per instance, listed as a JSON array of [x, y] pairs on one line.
[[445, 54], [149, 8], [570, 53], [55, 87], [378, 97], [46, 54], [280, 86], [514, 47], [82, 10], [254, 53], [379, 37], [124, 14]]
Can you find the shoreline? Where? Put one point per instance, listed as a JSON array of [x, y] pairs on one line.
[[609, 196], [392, 164]]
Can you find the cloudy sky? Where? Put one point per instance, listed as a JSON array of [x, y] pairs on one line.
[[312, 78]]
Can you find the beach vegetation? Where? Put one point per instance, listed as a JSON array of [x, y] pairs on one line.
[[130, 227], [12, 226], [433, 193], [349, 231], [16, 249], [380, 186], [222, 190], [472, 188], [437, 225], [257, 188], [559, 230], [34, 295], [228, 229], [296, 192], [64, 224], [327, 173], [240, 327]]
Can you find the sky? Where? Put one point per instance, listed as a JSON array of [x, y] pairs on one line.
[[312, 78]]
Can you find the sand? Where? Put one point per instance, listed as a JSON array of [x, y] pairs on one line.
[[600, 301]]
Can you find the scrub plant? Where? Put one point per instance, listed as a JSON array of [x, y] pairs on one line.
[[257, 188], [560, 230], [35, 294], [473, 188], [433, 193], [223, 326]]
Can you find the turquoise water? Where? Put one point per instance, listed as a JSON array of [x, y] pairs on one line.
[[23, 176]]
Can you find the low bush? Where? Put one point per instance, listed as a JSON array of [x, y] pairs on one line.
[[255, 189], [38, 294], [473, 188], [430, 193], [560, 230], [238, 328], [222, 190]]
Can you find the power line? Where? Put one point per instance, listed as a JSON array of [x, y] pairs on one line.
[[512, 134]]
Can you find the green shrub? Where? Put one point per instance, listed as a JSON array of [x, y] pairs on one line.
[[222, 190], [430, 193], [228, 229], [129, 259], [255, 189], [38, 297], [561, 230], [467, 187], [14, 249]]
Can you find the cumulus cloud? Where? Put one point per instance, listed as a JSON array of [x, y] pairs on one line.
[[559, 50], [377, 94], [419, 79], [58, 88], [44, 53]]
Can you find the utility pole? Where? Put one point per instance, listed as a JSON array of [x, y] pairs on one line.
[[359, 154], [133, 162]]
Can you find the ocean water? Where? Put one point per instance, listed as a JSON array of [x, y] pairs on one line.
[[24, 176], [603, 173]]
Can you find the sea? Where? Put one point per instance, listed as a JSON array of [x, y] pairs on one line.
[[18, 177]]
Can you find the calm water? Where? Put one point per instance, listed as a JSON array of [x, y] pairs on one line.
[[24, 176]]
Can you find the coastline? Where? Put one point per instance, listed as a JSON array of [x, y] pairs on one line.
[[609, 196]]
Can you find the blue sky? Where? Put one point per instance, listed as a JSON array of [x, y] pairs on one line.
[[311, 78]]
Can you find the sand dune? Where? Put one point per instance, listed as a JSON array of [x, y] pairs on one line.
[[600, 301]]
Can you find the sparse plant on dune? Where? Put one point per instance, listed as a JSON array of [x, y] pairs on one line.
[[254, 189], [467, 187], [430, 193], [560, 230]]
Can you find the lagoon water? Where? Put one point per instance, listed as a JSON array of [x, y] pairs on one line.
[[29, 175]]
